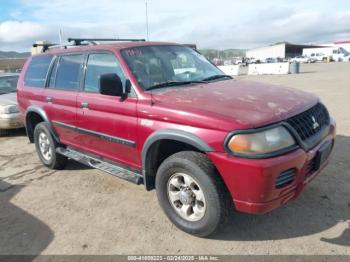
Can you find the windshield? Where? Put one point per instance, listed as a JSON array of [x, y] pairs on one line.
[[344, 51], [154, 65], [8, 84]]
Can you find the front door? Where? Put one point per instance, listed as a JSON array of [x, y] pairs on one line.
[[107, 125]]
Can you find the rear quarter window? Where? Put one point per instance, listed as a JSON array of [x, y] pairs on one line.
[[37, 71]]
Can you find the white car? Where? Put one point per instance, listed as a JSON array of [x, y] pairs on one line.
[[319, 57], [238, 61], [9, 112], [303, 59]]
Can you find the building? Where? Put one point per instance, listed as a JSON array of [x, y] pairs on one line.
[[278, 50], [344, 44]]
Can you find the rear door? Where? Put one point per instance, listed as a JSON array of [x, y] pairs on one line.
[[61, 95], [107, 124]]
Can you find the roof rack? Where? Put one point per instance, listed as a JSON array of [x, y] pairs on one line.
[[79, 41], [45, 46], [71, 42]]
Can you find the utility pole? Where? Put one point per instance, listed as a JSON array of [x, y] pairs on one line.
[[147, 29]]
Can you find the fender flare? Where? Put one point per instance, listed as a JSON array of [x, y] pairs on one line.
[[169, 134], [42, 114], [38, 110]]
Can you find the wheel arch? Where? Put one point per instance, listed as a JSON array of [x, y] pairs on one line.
[[34, 116], [173, 141]]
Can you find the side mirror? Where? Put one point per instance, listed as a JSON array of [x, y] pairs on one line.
[[111, 85], [127, 87]]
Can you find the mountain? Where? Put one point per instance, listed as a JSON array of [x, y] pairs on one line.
[[12, 54]]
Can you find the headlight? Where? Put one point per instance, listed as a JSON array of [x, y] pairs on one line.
[[261, 143], [10, 109]]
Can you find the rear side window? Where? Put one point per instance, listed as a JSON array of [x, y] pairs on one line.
[[37, 71], [97, 65], [68, 72]]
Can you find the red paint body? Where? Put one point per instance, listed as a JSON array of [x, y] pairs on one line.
[[210, 111]]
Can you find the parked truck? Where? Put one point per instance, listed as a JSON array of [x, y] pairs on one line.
[[338, 54]]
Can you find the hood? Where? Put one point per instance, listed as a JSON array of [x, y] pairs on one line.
[[233, 104], [8, 99]]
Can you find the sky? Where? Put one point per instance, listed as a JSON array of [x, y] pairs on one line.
[[208, 23]]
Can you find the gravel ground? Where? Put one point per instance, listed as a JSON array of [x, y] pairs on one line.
[[83, 211]]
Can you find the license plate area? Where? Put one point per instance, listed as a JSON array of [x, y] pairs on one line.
[[322, 154]]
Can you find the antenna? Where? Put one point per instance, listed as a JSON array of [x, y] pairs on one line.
[[60, 36], [147, 27]]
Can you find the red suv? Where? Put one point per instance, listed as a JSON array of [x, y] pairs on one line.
[[161, 115]]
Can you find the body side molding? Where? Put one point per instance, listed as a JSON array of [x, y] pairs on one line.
[[103, 136]]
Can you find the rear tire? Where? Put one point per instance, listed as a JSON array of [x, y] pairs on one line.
[[46, 148], [192, 194]]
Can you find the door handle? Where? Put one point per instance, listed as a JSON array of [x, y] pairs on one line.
[[84, 104], [49, 99]]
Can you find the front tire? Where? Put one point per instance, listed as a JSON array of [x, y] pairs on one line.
[[192, 194], [46, 148]]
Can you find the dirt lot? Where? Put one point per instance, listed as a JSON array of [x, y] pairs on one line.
[[83, 211]]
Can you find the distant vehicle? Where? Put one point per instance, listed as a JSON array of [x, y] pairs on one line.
[[251, 60], [337, 54], [340, 55], [281, 60], [9, 112], [303, 59], [319, 57], [270, 60], [237, 61]]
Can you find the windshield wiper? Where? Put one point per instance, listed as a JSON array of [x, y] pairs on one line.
[[214, 77], [174, 83]]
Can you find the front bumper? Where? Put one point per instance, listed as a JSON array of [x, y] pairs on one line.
[[10, 121], [252, 182]]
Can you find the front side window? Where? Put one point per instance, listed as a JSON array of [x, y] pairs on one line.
[[154, 65], [37, 71], [8, 84], [99, 64], [68, 72]]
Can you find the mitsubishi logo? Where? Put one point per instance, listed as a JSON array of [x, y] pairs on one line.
[[315, 125]]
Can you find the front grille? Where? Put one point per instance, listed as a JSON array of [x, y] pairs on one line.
[[310, 122]]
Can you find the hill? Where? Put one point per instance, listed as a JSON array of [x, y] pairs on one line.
[[12, 54]]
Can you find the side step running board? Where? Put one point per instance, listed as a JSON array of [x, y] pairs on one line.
[[102, 165]]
